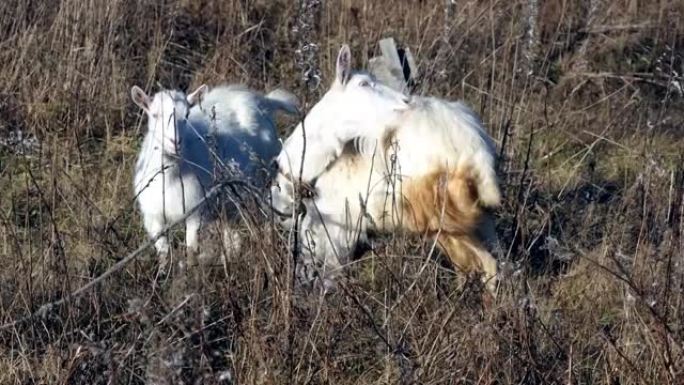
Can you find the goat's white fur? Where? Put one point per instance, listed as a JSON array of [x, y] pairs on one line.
[[191, 139], [354, 100], [365, 190]]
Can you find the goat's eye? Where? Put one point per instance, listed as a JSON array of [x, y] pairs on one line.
[[364, 83]]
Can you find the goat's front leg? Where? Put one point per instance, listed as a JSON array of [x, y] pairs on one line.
[[154, 227], [193, 223]]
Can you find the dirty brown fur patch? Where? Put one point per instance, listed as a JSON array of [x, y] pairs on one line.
[[349, 151], [468, 254], [349, 155], [442, 201]]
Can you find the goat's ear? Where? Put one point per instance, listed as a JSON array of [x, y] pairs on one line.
[[343, 65], [140, 98], [197, 95]]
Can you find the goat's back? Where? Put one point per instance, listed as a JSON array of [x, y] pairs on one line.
[[396, 176], [239, 131], [438, 134]]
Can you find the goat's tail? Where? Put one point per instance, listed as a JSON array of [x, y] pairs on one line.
[[489, 194], [279, 99], [484, 173], [447, 201]]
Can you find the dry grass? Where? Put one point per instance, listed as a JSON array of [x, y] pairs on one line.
[[585, 105]]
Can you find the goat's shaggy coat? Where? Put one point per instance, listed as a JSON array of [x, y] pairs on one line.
[[428, 169], [422, 180]]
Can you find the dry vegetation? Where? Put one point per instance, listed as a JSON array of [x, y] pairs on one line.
[[584, 99]]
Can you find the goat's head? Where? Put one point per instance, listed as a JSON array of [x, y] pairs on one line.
[[167, 114], [355, 99]]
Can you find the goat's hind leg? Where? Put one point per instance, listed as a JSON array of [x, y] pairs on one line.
[[154, 226], [469, 255], [193, 223]]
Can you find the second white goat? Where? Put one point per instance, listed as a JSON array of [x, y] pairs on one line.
[[192, 138]]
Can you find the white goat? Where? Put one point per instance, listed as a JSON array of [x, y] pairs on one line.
[[192, 138], [424, 165]]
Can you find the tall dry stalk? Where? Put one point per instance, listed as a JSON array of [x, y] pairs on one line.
[[449, 12], [530, 49], [307, 52], [581, 63]]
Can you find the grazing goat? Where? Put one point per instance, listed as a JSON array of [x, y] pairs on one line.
[[190, 139], [376, 160]]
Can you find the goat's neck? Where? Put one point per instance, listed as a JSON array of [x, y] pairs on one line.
[[327, 130]]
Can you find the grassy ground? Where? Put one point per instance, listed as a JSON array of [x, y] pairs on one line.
[[584, 99]]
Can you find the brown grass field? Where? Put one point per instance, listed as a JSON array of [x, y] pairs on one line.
[[584, 98]]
